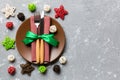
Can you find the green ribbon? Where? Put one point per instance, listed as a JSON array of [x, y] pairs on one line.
[[49, 38]]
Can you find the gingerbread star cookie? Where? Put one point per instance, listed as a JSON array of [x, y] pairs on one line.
[[8, 11], [26, 68], [60, 12]]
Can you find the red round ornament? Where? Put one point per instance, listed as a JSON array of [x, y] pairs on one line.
[[11, 70], [9, 25]]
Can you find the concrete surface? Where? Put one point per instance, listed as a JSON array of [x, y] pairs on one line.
[[92, 31]]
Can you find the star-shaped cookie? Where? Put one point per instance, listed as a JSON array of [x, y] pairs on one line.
[[8, 43], [60, 12], [26, 68], [8, 11]]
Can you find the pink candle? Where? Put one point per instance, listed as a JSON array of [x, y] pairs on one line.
[[33, 44], [46, 31]]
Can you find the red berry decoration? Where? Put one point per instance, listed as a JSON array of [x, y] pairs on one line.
[[60, 12], [11, 70], [9, 25]]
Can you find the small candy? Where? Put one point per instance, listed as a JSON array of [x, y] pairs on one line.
[[53, 29], [11, 58], [9, 25], [21, 16], [11, 70], [32, 7], [42, 69], [47, 8], [62, 60], [56, 68]]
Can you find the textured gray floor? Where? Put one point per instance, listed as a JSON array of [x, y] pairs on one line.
[[92, 31]]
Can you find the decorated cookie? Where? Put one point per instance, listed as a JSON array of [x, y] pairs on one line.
[[11, 58], [11, 70], [56, 68], [26, 68], [53, 29], [21, 16], [62, 60], [42, 69], [47, 8], [8, 43], [9, 25], [9, 11], [32, 7], [60, 12]]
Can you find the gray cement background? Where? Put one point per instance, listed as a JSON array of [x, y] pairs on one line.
[[92, 31]]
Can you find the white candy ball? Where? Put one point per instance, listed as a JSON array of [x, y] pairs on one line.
[[53, 29], [11, 58], [62, 60], [47, 8]]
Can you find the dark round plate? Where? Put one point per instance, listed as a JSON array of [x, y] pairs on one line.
[[25, 51]]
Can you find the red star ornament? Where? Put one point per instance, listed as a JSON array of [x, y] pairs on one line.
[[60, 12]]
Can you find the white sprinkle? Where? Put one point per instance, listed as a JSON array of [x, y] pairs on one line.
[[86, 40], [18, 66], [92, 67], [98, 23], [17, 79], [102, 60], [101, 72], [1, 20], [6, 30], [2, 64], [23, 5], [86, 77], [95, 69], [115, 75], [36, 1], [97, 75], [109, 73], [108, 40], [99, 57]]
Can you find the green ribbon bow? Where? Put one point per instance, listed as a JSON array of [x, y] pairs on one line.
[[49, 38]]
